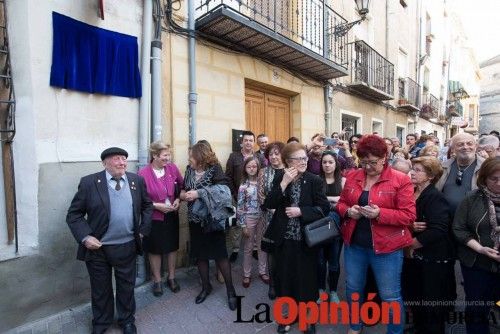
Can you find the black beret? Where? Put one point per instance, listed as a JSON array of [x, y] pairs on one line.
[[113, 151]]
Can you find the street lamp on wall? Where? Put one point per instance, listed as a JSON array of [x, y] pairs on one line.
[[362, 8]]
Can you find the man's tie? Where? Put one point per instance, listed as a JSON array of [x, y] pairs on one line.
[[117, 179]]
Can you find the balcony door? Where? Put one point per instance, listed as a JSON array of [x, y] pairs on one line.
[[267, 112]]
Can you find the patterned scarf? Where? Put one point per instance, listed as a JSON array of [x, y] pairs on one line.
[[293, 227], [495, 229]]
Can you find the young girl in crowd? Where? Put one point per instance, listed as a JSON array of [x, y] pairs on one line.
[[330, 253], [250, 217]]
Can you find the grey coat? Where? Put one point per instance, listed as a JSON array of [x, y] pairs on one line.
[[447, 169], [214, 202]]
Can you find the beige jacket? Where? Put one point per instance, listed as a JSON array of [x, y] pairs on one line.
[[447, 168]]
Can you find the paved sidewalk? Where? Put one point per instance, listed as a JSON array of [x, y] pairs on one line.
[[178, 314]]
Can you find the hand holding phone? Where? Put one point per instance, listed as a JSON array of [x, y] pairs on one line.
[[331, 141]]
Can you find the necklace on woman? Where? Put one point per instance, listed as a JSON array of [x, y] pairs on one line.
[[159, 172], [198, 175]]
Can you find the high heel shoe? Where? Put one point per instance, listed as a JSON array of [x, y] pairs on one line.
[[231, 300], [271, 293], [311, 329], [203, 295]]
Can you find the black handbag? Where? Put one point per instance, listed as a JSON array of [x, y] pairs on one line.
[[321, 231]]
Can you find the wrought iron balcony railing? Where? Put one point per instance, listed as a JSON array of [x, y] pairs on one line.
[[430, 107], [456, 108], [456, 91], [409, 94], [371, 73], [296, 34]]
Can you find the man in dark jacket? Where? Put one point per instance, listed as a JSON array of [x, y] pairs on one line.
[[108, 217]]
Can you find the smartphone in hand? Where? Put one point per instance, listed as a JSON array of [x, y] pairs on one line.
[[331, 141]]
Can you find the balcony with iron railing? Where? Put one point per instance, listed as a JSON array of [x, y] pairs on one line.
[[455, 109], [371, 74], [456, 91], [430, 107], [297, 35], [409, 95]]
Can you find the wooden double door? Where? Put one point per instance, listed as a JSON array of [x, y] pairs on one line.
[[267, 112]]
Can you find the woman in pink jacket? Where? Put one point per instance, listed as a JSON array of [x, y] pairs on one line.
[[163, 182]]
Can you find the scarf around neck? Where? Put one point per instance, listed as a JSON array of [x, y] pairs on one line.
[[495, 230]]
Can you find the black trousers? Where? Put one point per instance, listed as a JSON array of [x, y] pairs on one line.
[[100, 264], [429, 282]]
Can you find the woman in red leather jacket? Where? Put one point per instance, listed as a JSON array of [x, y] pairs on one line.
[[378, 208]]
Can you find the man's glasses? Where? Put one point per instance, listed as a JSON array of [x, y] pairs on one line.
[[458, 180]]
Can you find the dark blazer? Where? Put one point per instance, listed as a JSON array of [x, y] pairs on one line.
[[436, 239], [89, 211], [313, 204]]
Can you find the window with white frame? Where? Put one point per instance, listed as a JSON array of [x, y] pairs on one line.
[[377, 128]]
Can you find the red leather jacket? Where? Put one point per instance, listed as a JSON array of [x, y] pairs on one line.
[[393, 194]]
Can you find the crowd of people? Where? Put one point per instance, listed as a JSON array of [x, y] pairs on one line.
[[405, 215]]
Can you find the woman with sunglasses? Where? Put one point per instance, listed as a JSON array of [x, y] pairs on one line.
[[378, 208], [299, 199], [353, 147], [476, 227], [330, 253]]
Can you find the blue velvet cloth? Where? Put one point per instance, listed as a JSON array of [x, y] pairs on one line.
[[93, 60]]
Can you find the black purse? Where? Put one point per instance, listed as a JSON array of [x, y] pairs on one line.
[[321, 231]]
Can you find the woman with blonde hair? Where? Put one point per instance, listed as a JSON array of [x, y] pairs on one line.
[[430, 151], [163, 182], [428, 272]]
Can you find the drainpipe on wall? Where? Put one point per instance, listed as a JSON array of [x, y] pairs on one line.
[[387, 29], [419, 51], [156, 90], [144, 103], [193, 96], [328, 110]]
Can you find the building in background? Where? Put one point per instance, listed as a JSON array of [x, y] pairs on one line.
[[464, 82], [381, 92], [489, 111], [285, 68], [432, 64], [59, 135]]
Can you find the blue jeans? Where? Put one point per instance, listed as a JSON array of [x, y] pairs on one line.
[[387, 270]]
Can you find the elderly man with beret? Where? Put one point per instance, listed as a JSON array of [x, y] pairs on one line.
[[108, 216]]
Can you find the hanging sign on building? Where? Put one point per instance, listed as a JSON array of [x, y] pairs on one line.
[[457, 121]]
